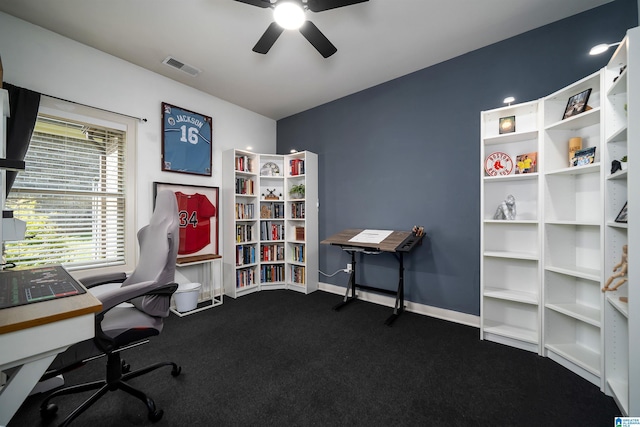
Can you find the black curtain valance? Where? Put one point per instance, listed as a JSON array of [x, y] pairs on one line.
[[23, 107]]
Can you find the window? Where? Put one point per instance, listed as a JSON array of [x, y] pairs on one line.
[[73, 193]]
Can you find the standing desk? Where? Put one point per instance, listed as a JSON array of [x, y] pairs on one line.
[[398, 243], [32, 335]]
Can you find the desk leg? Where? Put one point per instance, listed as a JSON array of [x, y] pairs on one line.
[[351, 285], [16, 390], [398, 308]]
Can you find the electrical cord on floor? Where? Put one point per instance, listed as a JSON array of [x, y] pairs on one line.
[[331, 275]]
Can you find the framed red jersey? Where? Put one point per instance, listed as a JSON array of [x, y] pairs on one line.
[[198, 217]]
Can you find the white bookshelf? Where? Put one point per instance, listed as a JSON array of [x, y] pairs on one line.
[[280, 235], [573, 233], [545, 295], [510, 249], [241, 208], [622, 97]]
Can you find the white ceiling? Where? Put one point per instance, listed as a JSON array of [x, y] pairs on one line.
[[377, 41]]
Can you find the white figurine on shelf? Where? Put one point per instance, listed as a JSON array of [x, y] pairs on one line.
[[622, 267], [506, 209]]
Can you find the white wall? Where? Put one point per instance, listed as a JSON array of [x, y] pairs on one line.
[[37, 59]]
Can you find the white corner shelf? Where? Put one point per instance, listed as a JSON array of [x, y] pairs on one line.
[[276, 244]]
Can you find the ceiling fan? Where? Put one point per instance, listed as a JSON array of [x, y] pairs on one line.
[[298, 21]]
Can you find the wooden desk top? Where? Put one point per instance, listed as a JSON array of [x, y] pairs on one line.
[[40, 313], [390, 244]]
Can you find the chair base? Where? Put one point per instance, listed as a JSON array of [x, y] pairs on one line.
[[115, 381]]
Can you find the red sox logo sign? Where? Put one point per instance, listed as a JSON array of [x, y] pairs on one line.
[[498, 163]]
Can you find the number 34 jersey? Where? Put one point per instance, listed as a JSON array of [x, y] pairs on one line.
[[194, 211]]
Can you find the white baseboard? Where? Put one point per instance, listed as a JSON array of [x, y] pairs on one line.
[[426, 310]]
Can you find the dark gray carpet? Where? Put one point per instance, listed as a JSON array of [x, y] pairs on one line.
[[280, 358]]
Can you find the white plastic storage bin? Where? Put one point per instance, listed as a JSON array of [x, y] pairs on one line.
[[186, 296]]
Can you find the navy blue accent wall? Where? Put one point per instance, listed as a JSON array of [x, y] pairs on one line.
[[406, 152]]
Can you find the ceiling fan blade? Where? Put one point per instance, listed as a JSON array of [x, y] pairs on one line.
[[320, 5], [317, 39], [259, 3], [268, 38]]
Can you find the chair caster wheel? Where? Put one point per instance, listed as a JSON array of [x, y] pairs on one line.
[[176, 371], [155, 415], [49, 411], [126, 368]]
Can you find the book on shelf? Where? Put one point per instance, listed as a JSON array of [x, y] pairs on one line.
[[244, 233], [297, 274], [271, 230], [297, 210], [272, 253], [298, 253], [244, 211], [245, 277], [272, 273], [244, 186], [271, 210], [296, 167], [245, 255], [244, 164]]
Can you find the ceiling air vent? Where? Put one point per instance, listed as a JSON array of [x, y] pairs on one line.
[[179, 65]]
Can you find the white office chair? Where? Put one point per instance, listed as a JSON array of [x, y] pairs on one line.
[[133, 309]]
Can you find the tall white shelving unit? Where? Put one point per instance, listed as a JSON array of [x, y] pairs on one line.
[[510, 267], [272, 241], [241, 215], [542, 275], [622, 351], [573, 233]]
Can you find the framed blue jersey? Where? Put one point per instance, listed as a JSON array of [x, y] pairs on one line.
[[186, 141]]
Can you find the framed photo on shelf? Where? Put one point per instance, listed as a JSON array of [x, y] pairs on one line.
[[584, 157], [527, 163], [198, 217], [577, 104], [507, 124], [622, 216], [186, 141]]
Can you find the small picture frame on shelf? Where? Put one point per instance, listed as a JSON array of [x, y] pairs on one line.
[[584, 157], [507, 124], [622, 216], [527, 163], [577, 104]]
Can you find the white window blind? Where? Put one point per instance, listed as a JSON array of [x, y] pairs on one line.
[[72, 196]]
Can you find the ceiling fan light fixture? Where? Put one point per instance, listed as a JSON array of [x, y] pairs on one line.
[[289, 15]]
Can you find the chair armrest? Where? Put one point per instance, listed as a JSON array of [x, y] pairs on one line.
[[114, 297], [122, 294], [101, 279]]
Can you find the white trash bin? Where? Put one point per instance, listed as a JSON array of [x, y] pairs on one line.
[[186, 296]]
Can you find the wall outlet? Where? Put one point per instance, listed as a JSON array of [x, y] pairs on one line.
[[348, 269]]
